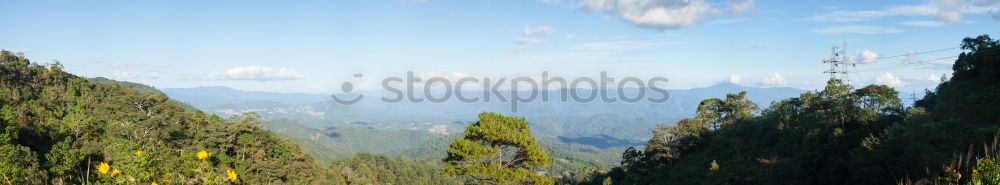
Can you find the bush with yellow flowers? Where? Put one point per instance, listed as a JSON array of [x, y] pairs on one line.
[[987, 172]]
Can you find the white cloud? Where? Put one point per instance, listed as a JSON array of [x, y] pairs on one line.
[[734, 79], [129, 65], [774, 79], [864, 57], [528, 41], [453, 78], [890, 80], [948, 11], [656, 14], [857, 30], [926, 82], [935, 78], [537, 31], [741, 6], [924, 23], [621, 45], [127, 75], [530, 32], [121, 75], [848, 16], [152, 74], [550, 1], [256, 73]]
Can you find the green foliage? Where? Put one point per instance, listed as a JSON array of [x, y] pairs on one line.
[[17, 165], [386, 170], [720, 113], [835, 136], [839, 135], [987, 172], [973, 93], [57, 129], [497, 150]]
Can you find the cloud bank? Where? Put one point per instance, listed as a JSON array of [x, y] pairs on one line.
[[663, 14], [256, 73]]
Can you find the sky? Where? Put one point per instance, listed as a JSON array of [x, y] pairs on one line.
[[315, 46]]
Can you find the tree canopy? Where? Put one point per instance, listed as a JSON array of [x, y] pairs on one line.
[[838, 135], [58, 128], [497, 150]]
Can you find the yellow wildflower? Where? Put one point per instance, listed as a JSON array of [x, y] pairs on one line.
[[103, 168], [975, 171], [153, 183], [115, 172], [202, 154], [138, 153], [959, 175], [232, 175]]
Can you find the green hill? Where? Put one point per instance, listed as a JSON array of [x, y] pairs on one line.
[[338, 143], [60, 128], [839, 135]]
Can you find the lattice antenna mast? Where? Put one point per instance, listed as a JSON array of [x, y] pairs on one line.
[[838, 61], [844, 62]]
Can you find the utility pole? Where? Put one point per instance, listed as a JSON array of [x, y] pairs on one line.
[[913, 99]]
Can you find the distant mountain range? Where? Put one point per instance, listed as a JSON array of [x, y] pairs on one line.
[[597, 124], [221, 96]]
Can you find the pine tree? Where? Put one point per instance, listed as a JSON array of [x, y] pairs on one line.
[[498, 150]]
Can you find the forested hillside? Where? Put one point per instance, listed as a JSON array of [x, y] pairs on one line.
[[839, 135], [58, 128], [62, 129], [338, 143]]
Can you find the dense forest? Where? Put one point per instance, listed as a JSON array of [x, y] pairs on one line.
[[58, 128], [838, 135]]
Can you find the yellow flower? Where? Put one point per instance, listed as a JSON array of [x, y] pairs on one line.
[[202, 154], [975, 171], [115, 172], [103, 168], [232, 175], [959, 175], [153, 183], [138, 153]]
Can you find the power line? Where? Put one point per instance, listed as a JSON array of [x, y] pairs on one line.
[[982, 52], [842, 65], [903, 65], [915, 53]]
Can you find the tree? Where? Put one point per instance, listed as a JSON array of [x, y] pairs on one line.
[[720, 113], [17, 164], [971, 93], [497, 150]]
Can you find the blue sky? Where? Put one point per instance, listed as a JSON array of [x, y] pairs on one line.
[[315, 46]]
